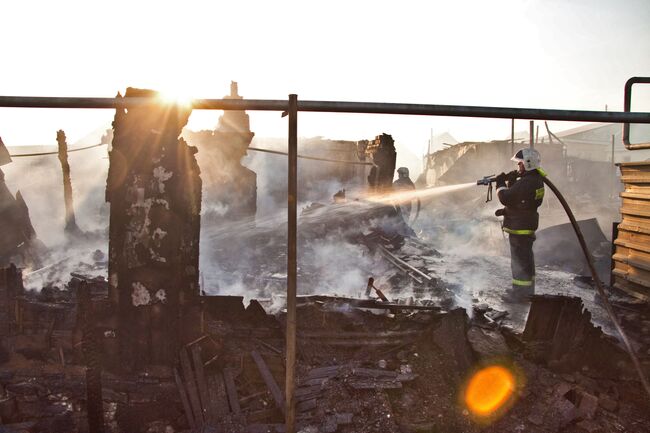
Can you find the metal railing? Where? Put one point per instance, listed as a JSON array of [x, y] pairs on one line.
[[627, 106], [337, 107]]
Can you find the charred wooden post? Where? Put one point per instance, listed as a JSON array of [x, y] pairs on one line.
[[154, 190], [11, 285], [70, 221], [91, 353]]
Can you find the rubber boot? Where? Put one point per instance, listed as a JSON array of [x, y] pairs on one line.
[[519, 295]]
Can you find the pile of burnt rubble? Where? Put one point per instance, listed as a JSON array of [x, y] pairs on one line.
[[363, 366], [382, 245]]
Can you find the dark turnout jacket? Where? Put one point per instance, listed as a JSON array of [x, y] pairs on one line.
[[403, 183], [521, 201]]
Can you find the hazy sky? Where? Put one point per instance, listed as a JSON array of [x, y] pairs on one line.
[[573, 54]]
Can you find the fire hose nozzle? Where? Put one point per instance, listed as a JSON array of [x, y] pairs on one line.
[[487, 180]]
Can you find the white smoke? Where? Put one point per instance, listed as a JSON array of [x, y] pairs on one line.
[[340, 267], [40, 181]]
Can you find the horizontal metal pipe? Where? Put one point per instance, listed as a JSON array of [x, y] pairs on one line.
[[112, 103], [338, 107], [241, 104], [473, 111]]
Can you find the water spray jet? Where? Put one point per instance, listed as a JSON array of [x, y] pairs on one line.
[[407, 196]]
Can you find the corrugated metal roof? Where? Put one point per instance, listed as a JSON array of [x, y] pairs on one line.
[[584, 128]]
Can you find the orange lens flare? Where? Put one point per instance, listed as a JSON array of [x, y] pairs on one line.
[[488, 390]]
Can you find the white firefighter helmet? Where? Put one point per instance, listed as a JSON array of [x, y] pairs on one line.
[[529, 156]]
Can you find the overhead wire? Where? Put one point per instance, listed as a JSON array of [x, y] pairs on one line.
[[21, 155], [314, 158], [256, 149]]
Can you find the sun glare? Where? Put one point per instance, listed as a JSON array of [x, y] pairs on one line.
[[488, 390], [175, 97]]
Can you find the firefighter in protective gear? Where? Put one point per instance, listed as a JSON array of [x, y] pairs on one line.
[[404, 183], [521, 198]]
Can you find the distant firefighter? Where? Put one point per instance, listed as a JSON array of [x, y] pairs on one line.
[[404, 183], [339, 197]]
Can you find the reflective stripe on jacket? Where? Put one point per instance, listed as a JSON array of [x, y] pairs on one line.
[[521, 201]]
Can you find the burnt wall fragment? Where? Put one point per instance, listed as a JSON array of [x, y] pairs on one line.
[[559, 333], [230, 187], [381, 151], [154, 190], [18, 241]]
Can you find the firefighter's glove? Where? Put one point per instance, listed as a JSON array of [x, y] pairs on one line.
[[512, 177], [500, 212], [501, 180]]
